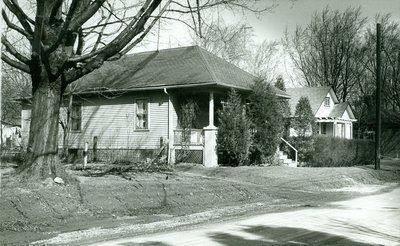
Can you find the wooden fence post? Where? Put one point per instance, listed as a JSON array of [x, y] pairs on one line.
[[85, 154], [94, 148]]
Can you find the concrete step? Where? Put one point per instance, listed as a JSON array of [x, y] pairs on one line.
[[287, 161], [282, 157]]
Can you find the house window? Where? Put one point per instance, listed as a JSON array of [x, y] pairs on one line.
[[327, 102], [76, 117], [142, 114]]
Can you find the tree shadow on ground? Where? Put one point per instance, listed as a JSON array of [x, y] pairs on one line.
[[284, 236], [144, 244]]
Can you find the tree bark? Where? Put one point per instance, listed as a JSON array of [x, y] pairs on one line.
[[43, 160]]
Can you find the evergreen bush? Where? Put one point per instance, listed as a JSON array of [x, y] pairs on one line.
[[303, 121], [234, 137], [267, 122]]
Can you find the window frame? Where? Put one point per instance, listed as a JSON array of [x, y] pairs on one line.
[[135, 120], [79, 105], [327, 101]]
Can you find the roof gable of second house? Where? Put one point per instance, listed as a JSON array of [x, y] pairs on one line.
[[317, 97], [169, 68], [342, 110]]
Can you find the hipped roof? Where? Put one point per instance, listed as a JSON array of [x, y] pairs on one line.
[[169, 68]]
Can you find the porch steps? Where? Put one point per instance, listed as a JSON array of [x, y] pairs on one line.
[[285, 161]]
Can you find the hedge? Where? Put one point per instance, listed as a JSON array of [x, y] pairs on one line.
[[324, 151]]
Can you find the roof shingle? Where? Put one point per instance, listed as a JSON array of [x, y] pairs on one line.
[[185, 66], [339, 109]]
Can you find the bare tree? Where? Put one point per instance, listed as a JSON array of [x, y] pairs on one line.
[[263, 60], [390, 72], [69, 39], [327, 50], [230, 42], [235, 44]]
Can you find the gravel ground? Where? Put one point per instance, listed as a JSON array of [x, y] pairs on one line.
[[41, 211]]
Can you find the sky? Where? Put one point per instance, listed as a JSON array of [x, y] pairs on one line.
[[271, 26]]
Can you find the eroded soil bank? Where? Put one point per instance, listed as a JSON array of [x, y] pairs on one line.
[[42, 211]]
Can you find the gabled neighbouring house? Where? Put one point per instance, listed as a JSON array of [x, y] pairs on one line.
[[131, 107], [10, 135], [332, 117]]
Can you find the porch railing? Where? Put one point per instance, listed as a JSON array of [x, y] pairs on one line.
[[188, 137], [291, 146]]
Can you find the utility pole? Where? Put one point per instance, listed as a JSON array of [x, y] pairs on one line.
[[378, 119]]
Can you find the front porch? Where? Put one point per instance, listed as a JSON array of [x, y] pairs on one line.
[[201, 141], [335, 127]]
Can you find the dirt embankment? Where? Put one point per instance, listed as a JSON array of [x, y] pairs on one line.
[[38, 211]]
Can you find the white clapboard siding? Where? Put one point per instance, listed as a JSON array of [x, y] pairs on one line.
[[112, 121]]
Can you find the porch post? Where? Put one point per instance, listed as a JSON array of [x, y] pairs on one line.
[[334, 128], [351, 130], [211, 110], [319, 128], [210, 157]]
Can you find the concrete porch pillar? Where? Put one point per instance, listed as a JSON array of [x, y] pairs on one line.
[[210, 156], [171, 148]]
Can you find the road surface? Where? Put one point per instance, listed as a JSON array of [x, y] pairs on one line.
[[369, 220]]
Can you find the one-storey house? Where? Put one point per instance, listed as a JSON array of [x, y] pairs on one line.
[[332, 117], [131, 107]]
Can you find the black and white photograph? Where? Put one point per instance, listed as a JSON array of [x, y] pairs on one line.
[[200, 122]]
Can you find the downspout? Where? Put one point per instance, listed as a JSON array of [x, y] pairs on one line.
[[170, 128]]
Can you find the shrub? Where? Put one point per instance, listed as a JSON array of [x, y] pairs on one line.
[[234, 137], [303, 120], [325, 151], [280, 83], [284, 107], [187, 120], [266, 118], [304, 146], [337, 152]]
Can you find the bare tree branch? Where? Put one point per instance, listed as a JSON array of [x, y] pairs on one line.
[[134, 27], [129, 47], [179, 20], [13, 6], [37, 36], [79, 20], [10, 49], [15, 27], [64, 29], [15, 64]]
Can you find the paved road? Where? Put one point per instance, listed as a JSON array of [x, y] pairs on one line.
[[370, 220]]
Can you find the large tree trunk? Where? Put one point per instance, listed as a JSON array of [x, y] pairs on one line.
[[42, 150]]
